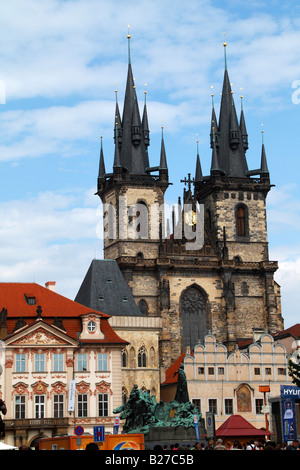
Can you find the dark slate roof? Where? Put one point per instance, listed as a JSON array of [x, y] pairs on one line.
[[104, 289], [233, 162]]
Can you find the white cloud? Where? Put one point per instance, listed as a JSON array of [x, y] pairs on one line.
[[284, 230], [49, 238], [60, 61], [288, 277], [54, 48]]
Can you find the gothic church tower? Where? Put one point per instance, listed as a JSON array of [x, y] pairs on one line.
[[225, 285]]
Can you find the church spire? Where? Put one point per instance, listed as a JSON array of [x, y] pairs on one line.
[[214, 124], [244, 135], [215, 168], [136, 128], [133, 152], [117, 167], [101, 174], [163, 158], [264, 171], [145, 125], [231, 152], [225, 57], [198, 172], [234, 132], [118, 120], [163, 167], [128, 37]]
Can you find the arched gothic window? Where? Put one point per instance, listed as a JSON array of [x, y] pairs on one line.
[[142, 220], [241, 220], [124, 395], [143, 306], [132, 358], [142, 357], [152, 357], [124, 358], [194, 320]]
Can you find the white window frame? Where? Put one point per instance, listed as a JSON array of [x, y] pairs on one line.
[[20, 364], [39, 406]]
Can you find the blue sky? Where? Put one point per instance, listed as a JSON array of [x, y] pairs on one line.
[[60, 63]]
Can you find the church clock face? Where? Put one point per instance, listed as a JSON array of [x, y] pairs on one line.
[[190, 218]]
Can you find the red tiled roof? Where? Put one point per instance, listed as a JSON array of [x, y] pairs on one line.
[[13, 298], [293, 330], [244, 343], [236, 425]]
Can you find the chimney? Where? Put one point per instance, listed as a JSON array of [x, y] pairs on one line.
[[51, 285], [257, 333]]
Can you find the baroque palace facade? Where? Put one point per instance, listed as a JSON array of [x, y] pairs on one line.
[[49, 342]]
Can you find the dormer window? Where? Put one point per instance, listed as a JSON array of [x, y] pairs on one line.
[[30, 299], [91, 328]]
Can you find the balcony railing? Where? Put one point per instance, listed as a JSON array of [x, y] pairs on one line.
[[35, 423]]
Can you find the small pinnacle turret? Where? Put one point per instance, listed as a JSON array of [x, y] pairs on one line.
[[163, 167], [118, 122], [264, 171], [243, 129], [101, 174], [198, 172]]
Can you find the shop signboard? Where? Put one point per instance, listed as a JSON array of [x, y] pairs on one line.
[[289, 393]]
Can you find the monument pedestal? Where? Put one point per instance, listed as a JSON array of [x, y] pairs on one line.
[[173, 434]]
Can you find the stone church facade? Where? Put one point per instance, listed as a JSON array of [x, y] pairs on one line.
[[206, 268]]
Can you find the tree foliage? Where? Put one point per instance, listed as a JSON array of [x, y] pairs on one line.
[[294, 368]]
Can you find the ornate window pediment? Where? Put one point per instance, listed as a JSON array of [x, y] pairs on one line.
[[39, 337]]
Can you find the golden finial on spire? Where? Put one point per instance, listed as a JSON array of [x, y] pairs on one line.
[[116, 92], [241, 98], [212, 96], [225, 44], [128, 37]]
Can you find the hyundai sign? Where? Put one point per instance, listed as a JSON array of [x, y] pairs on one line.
[[289, 393]]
